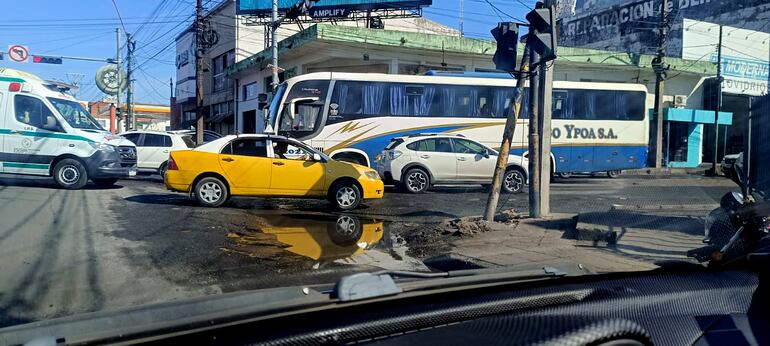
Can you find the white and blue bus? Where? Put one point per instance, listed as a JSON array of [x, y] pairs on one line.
[[597, 127]]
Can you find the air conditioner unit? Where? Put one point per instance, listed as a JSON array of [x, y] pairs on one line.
[[680, 101]]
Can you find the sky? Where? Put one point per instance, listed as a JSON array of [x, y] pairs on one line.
[[86, 28]]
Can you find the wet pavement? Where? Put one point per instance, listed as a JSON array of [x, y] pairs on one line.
[[138, 243]]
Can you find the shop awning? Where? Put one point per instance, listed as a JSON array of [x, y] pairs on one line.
[[699, 116]]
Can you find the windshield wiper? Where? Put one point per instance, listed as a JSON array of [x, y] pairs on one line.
[[378, 284]]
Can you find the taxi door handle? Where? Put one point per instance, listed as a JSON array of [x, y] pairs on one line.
[[460, 159], [278, 163], [15, 132], [227, 159], [425, 156], [166, 152]]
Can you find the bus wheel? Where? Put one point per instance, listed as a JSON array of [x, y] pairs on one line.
[[614, 174], [70, 174], [564, 175]]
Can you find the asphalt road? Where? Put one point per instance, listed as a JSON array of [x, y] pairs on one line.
[[64, 252]]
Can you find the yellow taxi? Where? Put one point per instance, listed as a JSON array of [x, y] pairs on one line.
[[268, 166]]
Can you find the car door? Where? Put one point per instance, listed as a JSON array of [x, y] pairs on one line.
[[247, 166], [473, 160], [436, 155], [28, 147], [294, 172], [155, 147]]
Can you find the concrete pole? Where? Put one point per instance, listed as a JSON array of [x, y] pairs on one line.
[[544, 132], [534, 138], [130, 89], [718, 108], [274, 44], [659, 65], [199, 72], [120, 79]]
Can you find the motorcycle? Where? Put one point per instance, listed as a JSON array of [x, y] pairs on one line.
[[738, 230]]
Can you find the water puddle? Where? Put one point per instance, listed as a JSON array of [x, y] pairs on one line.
[[321, 238]]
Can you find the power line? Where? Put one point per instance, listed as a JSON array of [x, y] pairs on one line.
[[497, 10], [118, 12]]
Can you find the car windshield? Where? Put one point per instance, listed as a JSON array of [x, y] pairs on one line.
[[372, 142], [75, 115]]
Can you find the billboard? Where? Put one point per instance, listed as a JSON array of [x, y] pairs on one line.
[[326, 8], [745, 55], [632, 25], [185, 67]]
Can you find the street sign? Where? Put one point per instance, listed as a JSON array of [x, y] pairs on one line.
[[18, 53]]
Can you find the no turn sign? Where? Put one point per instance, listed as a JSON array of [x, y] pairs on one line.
[[18, 53]]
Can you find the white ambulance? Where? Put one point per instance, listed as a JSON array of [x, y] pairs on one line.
[[44, 131]]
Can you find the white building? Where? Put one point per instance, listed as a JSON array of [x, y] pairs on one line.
[[236, 42]]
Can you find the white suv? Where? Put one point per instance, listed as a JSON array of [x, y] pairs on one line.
[[417, 162], [153, 148]]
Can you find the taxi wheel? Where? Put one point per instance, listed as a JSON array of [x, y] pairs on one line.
[[614, 174], [70, 174], [345, 231], [211, 192], [345, 196]]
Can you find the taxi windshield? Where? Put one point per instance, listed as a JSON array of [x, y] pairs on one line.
[[75, 115]]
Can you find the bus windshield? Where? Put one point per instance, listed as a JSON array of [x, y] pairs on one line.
[[275, 104]]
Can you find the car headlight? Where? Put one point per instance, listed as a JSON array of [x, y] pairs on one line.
[[102, 146], [372, 175], [394, 154]]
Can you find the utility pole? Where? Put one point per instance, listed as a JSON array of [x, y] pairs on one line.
[[534, 136], [545, 75], [718, 107], [130, 90], [199, 71], [119, 65], [659, 65], [462, 18], [274, 44], [508, 131]]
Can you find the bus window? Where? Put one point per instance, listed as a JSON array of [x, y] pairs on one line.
[[600, 105]]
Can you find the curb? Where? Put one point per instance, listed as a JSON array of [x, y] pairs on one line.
[[666, 171]]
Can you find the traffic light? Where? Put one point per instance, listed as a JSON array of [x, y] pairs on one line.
[[507, 36], [42, 59], [301, 8], [542, 35]]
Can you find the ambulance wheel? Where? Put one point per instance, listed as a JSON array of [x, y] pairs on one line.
[[70, 174]]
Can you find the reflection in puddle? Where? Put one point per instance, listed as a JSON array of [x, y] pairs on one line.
[[318, 237]]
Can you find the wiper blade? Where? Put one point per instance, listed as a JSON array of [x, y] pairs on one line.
[[379, 284]]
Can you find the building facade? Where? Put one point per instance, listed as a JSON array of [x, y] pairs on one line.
[[632, 26], [238, 41]]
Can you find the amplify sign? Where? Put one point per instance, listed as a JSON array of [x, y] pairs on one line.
[[631, 25], [327, 8]]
